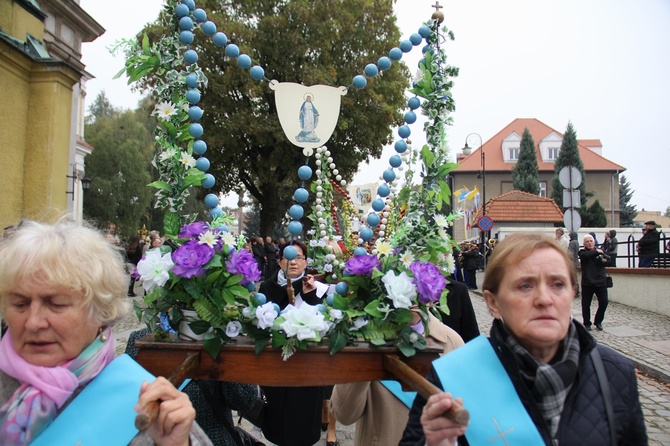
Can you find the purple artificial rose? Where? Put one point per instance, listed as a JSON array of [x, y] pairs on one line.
[[361, 265], [243, 262], [193, 230], [428, 280], [190, 258]]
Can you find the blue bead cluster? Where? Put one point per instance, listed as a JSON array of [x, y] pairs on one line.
[[382, 204], [189, 17]]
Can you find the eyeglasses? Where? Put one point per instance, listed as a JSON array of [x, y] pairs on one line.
[[298, 258]]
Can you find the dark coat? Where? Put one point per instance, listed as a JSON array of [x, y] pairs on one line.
[[293, 414], [649, 243], [593, 269], [471, 259], [583, 420], [461, 317]]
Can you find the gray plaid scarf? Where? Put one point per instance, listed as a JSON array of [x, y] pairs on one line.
[[548, 383]]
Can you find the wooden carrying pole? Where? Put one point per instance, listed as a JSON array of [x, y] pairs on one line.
[[392, 364], [149, 412]]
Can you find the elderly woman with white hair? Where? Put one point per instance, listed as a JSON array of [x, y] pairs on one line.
[[594, 281], [62, 289]]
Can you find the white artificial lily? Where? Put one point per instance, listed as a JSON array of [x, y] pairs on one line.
[[400, 289], [154, 269]]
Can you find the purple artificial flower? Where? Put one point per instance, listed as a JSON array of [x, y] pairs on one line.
[[361, 265], [428, 280], [190, 258], [193, 230], [243, 262]]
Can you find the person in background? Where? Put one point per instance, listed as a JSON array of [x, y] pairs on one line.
[[380, 412], [610, 246], [133, 256], [647, 246], [62, 289], [293, 414], [573, 248], [470, 265], [461, 317], [595, 239], [549, 357], [270, 257], [594, 281], [562, 238]]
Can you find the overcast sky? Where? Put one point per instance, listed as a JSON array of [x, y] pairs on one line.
[[602, 64]]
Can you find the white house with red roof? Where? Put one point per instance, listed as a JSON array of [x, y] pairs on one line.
[[501, 153]]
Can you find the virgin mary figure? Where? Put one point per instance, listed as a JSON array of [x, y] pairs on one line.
[[309, 119]]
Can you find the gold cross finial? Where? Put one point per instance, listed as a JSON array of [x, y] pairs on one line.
[[437, 15]]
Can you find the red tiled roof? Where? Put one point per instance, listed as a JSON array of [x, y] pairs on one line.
[[518, 206], [494, 154]]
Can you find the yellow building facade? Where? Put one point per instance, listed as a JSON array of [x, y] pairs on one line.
[[41, 98]]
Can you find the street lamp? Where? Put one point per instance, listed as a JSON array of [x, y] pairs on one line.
[[482, 175]]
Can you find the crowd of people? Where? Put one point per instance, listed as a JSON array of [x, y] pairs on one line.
[[63, 287]]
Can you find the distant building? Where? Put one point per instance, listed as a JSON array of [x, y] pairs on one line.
[[501, 154], [41, 90], [661, 221], [518, 209]]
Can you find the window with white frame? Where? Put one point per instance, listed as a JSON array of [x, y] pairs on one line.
[[543, 189], [514, 153], [553, 153]]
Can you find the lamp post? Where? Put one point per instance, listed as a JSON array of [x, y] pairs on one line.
[[482, 175]]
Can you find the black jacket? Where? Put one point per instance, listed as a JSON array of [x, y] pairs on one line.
[[583, 420], [593, 269], [292, 416], [649, 243], [461, 317]]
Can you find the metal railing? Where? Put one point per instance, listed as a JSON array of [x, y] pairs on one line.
[[632, 258]]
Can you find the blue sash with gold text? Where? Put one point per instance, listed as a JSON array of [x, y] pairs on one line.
[[497, 416]]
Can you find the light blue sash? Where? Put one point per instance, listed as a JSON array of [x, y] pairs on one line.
[[103, 412], [407, 398], [497, 416]]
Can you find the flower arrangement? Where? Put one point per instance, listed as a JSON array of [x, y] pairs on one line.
[[206, 270], [401, 260]]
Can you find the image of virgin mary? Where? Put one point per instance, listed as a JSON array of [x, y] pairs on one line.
[[309, 119]]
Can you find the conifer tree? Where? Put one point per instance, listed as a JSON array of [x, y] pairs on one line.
[[568, 155], [627, 211], [594, 216], [525, 174]]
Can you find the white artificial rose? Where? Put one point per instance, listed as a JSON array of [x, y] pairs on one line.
[[266, 315], [233, 329], [336, 315], [248, 312], [400, 289], [304, 322], [359, 323]]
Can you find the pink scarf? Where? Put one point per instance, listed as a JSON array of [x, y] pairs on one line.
[[44, 390]]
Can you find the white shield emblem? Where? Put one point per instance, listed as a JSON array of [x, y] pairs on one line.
[[308, 115]]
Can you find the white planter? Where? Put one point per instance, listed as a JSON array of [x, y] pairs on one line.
[[185, 332]]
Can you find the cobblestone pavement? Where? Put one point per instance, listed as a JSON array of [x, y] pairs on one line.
[[642, 336]]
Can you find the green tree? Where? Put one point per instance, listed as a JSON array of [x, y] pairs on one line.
[[594, 216], [100, 108], [627, 211], [568, 155], [525, 174], [667, 212], [120, 168], [302, 42]]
